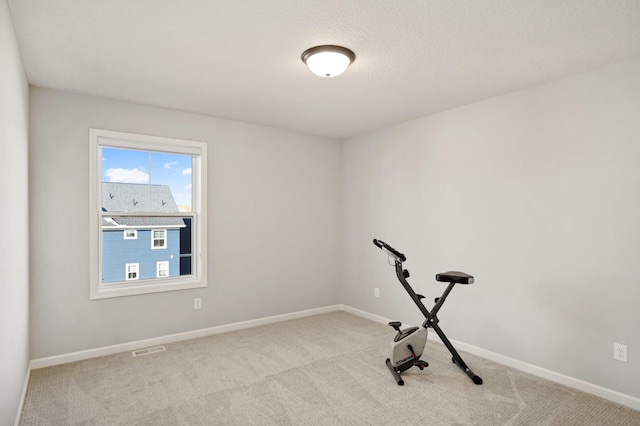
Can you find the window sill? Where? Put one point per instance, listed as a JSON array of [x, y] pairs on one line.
[[157, 285]]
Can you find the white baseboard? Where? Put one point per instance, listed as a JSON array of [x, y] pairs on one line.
[[611, 395], [590, 388], [572, 382], [131, 346], [24, 395], [365, 314]]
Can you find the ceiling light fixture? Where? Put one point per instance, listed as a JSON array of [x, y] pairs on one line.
[[328, 61]]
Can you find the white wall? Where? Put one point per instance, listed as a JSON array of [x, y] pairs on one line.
[[537, 194], [14, 221], [274, 224]]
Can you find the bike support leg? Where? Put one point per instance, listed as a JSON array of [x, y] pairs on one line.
[[457, 359], [394, 373]]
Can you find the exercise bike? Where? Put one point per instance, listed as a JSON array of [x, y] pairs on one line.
[[408, 344]]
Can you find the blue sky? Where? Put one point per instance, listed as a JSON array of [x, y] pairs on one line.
[[130, 166]]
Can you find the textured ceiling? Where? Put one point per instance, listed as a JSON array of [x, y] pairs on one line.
[[240, 59]]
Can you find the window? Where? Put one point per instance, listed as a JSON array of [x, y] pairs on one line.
[[147, 205], [131, 271], [159, 240], [130, 234], [162, 269]]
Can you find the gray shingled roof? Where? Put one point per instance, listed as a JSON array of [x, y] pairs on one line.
[[135, 197]]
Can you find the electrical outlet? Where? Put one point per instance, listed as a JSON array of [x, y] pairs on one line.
[[376, 292], [197, 303], [620, 352]]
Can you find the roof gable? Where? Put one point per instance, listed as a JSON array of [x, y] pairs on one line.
[[136, 197], [139, 198]]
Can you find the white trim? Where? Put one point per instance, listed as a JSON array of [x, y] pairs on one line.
[[581, 385], [149, 285], [599, 391], [162, 340], [164, 239], [365, 314], [133, 237], [111, 221], [142, 227], [148, 214], [126, 271], [162, 262], [198, 151], [24, 395], [572, 382], [126, 140]]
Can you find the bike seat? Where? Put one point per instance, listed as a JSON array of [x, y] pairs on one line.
[[455, 277]]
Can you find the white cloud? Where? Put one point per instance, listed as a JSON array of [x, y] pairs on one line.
[[188, 186], [186, 172], [127, 175], [169, 165]]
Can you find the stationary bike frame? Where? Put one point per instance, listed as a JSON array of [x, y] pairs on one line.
[[431, 319]]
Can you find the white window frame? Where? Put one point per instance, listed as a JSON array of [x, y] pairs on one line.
[[132, 237], [198, 150], [159, 268], [135, 270], [153, 239]]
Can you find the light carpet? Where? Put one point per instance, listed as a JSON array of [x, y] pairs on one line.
[[323, 370]]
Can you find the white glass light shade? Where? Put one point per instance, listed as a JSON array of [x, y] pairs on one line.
[[328, 61]]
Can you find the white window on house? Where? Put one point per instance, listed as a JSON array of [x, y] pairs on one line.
[[159, 239], [162, 269], [131, 271], [152, 190], [130, 234]]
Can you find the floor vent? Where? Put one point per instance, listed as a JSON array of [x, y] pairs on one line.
[[147, 351]]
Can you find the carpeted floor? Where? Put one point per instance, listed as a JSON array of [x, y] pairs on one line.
[[322, 370]]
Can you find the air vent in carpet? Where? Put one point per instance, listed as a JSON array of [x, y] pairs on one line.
[[147, 351]]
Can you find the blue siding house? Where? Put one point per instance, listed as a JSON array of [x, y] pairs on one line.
[[141, 247]]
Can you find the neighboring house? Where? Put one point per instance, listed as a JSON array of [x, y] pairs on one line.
[[138, 247]]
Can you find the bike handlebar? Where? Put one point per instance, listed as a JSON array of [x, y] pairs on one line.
[[390, 250]]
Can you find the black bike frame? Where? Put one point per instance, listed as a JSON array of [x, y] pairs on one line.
[[431, 320]]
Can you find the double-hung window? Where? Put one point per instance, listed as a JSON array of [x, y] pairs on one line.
[[131, 270], [162, 269], [159, 240], [152, 191]]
